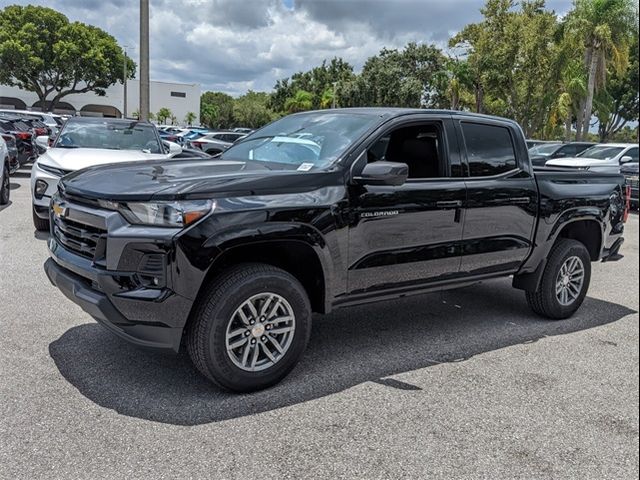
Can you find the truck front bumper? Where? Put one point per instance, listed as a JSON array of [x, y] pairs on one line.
[[145, 317]]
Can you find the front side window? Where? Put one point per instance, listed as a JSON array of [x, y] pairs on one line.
[[304, 141], [420, 146], [489, 149], [109, 135]]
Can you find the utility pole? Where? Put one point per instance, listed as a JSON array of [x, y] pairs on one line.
[[144, 60], [333, 99], [124, 82]]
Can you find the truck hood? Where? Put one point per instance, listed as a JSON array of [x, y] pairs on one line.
[[72, 159], [577, 162], [182, 179]]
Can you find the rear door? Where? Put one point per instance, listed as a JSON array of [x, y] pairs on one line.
[[502, 197]]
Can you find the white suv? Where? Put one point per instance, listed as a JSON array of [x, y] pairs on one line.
[[86, 142]]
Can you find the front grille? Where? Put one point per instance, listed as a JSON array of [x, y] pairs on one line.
[[632, 181], [85, 240]]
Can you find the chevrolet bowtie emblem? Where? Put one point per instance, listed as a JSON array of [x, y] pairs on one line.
[[59, 210]]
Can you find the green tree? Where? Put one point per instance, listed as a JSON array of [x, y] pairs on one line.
[[42, 52], [163, 114], [605, 28], [618, 102], [510, 54], [299, 102], [315, 81], [252, 110], [412, 77], [216, 109], [328, 98], [189, 118]]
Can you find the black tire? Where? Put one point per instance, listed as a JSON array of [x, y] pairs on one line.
[[5, 186], [207, 331], [544, 301], [41, 224]]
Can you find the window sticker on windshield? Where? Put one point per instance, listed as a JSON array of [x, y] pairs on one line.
[[305, 167]]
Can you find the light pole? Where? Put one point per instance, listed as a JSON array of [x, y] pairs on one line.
[[144, 60], [124, 82], [333, 99]]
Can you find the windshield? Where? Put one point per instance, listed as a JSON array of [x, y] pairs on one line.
[[304, 141], [600, 152], [109, 135], [544, 149]]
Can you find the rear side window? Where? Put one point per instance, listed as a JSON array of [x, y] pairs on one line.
[[489, 149]]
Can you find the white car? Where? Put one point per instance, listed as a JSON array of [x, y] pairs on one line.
[[604, 158], [87, 142], [4, 173]]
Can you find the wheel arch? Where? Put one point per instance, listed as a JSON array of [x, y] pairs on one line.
[[295, 248]]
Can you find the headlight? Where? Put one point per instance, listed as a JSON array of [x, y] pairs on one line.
[[40, 189], [163, 214]]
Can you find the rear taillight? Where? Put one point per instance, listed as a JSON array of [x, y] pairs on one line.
[[23, 135], [197, 144], [627, 203]]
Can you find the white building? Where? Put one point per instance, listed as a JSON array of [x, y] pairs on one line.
[[180, 98]]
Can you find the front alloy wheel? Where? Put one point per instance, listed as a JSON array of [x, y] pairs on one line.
[[260, 332]]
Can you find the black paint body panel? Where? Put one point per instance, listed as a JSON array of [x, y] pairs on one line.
[[371, 242]]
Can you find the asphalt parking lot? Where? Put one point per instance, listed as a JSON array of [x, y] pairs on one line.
[[464, 384]]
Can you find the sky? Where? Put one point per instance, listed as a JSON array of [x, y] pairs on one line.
[[236, 45]]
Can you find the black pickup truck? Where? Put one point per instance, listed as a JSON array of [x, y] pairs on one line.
[[229, 257]]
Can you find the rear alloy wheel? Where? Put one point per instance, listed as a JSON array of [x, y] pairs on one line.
[[5, 186], [250, 327], [565, 281]]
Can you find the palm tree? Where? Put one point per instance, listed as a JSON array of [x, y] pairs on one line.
[[605, 26], [163, 114], [189, 118], [327, 98], [301, 101]]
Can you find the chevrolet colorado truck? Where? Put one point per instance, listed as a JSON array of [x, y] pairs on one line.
[[229, 257]]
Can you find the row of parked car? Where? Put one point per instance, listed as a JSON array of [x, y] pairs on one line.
[[28, 134], [19, 130], [598, 157], [209, 141]]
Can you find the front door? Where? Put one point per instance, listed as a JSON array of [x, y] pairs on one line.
[[410, 234]]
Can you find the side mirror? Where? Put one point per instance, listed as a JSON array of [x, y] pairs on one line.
[[624, 159], [171, 148], [383, 173], [42, 141]]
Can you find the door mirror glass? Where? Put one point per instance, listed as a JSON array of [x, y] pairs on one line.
[[383, 173], [624, 159]]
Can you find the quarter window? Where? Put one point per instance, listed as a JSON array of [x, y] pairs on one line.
[[489, 149]]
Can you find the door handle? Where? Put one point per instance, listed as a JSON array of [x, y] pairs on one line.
[[449, 204]]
